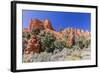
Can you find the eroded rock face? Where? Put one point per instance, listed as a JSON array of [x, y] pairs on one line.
[[33, 45], [70, 41], [37, 24], [47, 24], [71, 33], [57, 35]]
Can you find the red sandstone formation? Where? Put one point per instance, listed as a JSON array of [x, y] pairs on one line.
[[47, 24], [71, 33], [36, 24], [33, 43]]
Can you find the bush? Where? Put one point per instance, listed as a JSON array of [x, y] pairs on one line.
[[26, 35], [82, 42], [24, 44], [59, 44], [47, 42], [35, 31], [87, 43]]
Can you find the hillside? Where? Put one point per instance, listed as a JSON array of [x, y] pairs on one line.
[[40, 36]]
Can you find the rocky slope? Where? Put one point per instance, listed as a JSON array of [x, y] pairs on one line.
[[69, 33]]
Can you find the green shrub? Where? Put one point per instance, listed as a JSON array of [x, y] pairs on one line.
[[82, 42], [59, 44], [35, 31], [47, 42], [65, 37], [87, 43], [26, 35]]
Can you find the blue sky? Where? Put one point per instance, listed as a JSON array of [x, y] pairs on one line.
[[59, 20]]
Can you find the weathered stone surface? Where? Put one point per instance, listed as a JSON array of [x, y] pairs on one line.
[[36, 24], [71, 33], [33, 45], [47, 24]]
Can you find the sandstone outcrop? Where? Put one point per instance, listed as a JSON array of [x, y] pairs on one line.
[[47, 24], [36, 24], [33, 43]]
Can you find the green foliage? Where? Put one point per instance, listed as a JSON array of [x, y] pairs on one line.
[[75, 47], [79, 41], [35, 31], [47, 42], [59, 44], [82, 42], [26, 35], [87, 43], [65, 37]]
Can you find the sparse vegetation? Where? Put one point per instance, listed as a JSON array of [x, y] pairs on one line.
[[26, 35], [47, 42], [54, 49], [82, 42], [59, 44], [35, 31]]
